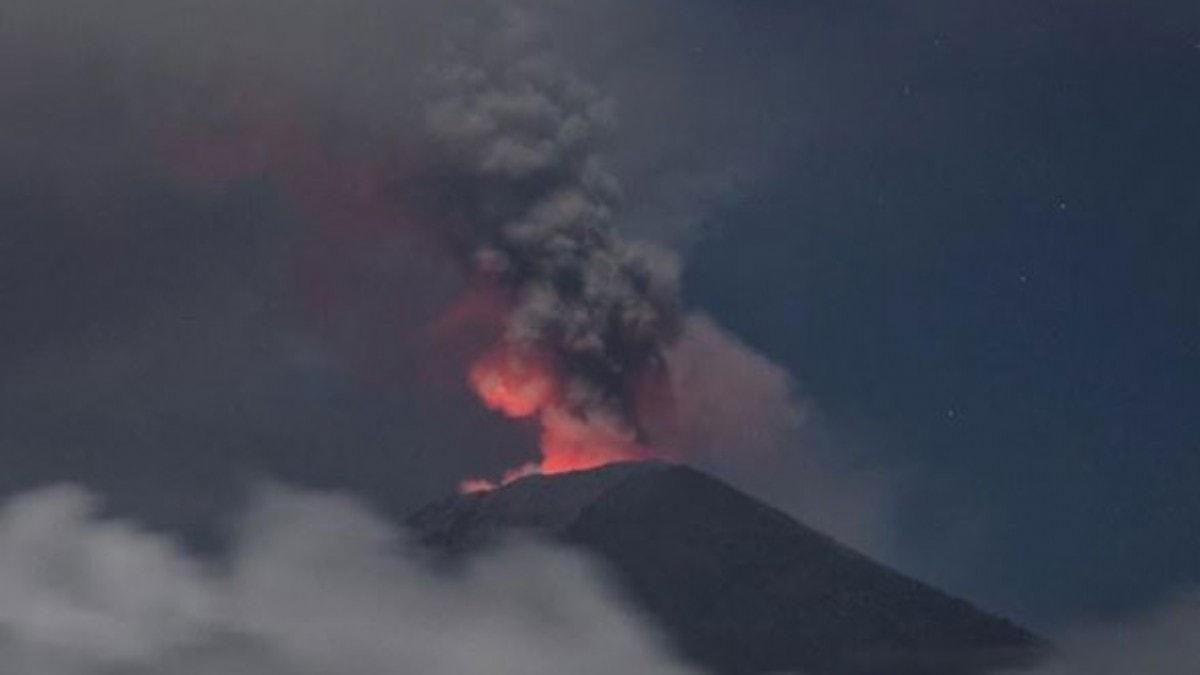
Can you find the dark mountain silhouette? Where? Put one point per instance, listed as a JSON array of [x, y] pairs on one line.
[[739, 586]]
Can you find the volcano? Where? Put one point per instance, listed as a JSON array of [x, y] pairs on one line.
[[739, 587]]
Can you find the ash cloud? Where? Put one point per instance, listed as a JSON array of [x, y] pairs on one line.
[[525, 137], [249, 219], [315, 584], [461, 124]]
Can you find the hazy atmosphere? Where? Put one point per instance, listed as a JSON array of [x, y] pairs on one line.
[[275, 273]]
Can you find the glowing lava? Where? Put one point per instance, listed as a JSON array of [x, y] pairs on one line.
[[572, 444], [524, 385]]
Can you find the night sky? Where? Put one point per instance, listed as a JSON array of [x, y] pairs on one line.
[[985, 252], [969, 230]]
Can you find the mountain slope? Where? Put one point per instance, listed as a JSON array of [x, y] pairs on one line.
[[739, 586]]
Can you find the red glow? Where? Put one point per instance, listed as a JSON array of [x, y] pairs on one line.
[[513, 383], [522, 385], [573, 444]]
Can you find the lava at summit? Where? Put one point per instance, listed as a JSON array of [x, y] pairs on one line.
[[525, 385]]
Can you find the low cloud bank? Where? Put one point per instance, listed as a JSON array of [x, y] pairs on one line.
[[1161, 642], [314, 584]]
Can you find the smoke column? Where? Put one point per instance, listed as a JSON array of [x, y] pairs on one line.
[[505, 174], [587, 315]]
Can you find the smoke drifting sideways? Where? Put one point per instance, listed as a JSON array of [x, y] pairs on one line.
[[315, 584]]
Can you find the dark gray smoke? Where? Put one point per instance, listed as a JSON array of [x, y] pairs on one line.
[[527, 178]]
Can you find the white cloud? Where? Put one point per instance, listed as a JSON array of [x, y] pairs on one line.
[[315, 584]]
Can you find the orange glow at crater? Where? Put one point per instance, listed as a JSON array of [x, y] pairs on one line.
[[523, 385], [573, 444]]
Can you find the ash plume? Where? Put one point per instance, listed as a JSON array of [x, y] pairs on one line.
[[437, 209], [590, 314]]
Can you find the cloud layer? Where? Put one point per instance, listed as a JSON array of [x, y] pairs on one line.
[[315, 584]]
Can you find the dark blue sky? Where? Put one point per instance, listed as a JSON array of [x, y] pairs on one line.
[[984, 255]]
